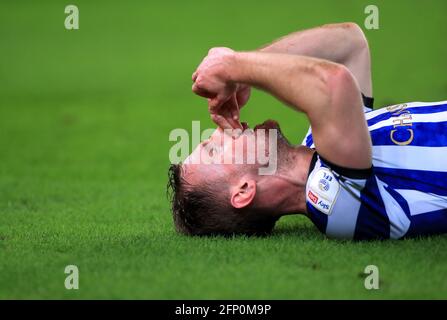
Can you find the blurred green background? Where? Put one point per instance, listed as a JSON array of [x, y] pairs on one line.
[[84, 122]]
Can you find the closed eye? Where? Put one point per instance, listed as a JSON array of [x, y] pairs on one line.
[[211, 148], [208, 148]]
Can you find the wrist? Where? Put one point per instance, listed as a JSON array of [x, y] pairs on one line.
[[236, 63]]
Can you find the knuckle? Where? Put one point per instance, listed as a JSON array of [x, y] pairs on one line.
[[200, 83]]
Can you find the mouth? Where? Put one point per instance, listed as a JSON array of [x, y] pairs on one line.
[[268, 124]]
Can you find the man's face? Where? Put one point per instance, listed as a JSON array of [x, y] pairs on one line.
[[228, 154]]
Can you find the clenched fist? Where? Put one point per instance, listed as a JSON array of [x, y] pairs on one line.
[[212, 80]]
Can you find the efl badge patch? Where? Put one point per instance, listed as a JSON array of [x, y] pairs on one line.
[[323, 190]]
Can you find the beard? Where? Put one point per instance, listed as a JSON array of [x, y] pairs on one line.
[[284, 149], [273, 124]]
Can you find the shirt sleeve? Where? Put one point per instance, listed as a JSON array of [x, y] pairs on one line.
[[333, 196]]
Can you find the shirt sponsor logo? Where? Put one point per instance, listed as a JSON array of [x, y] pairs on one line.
[[323, 185], [325, 206], [312, 197], [323, 188]]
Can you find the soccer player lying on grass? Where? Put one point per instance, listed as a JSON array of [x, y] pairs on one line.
[[360, 174]]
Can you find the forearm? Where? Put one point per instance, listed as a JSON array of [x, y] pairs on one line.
[[334, 42], [343, 43], [299, 81]]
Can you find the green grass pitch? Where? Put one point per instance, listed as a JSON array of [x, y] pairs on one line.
[[84, 123]]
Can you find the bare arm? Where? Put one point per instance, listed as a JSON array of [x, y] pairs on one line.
[[344, 43], [327, 92]]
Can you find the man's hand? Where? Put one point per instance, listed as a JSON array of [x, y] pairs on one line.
[[228, 115], [243, 94], [212, 81]]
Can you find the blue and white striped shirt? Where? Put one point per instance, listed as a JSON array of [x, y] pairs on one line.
[[405, 192]]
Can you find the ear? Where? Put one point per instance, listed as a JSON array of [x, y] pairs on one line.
[[243, 194]]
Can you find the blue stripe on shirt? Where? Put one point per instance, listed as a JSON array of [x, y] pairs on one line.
[[425, 134], [318, 218], [428, 223], [420, 180], [372, 220], [309, 140]]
